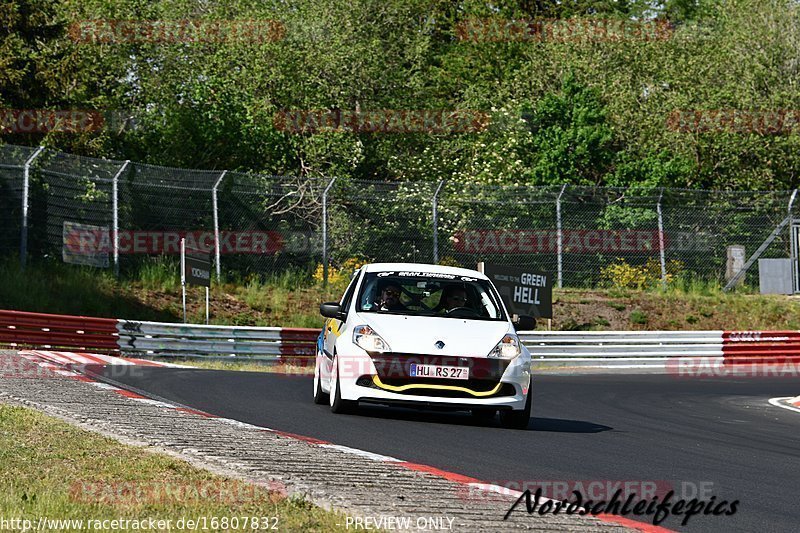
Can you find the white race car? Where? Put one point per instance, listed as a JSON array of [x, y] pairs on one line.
[[424, 336]]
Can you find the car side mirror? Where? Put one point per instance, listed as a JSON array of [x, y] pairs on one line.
[[524, 323], [331, 310]]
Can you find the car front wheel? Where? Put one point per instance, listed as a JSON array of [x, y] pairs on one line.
[[338, 405], [320, 397]]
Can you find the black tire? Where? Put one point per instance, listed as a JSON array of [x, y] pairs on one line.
[[340, 406], [483, 416], [518, 419], [320, 397]]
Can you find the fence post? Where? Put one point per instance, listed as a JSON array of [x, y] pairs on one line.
[[115, 214], [793, 244], [26, 179], [661, 241], [325, 233], [560, 236], [436, 223], [216, 224]]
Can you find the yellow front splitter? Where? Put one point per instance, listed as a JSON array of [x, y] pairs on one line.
[[393, 388]]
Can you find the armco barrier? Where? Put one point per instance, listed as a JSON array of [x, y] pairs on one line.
[[647, 349], [19, 328], [165, 339], [600, 349], [620, 349]]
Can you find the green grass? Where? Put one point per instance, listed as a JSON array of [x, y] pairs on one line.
[[160, 273], [688, 284], [67, 289], [262, 297], [153, 292], [694, 285], [291, 298], [638, 317], [242, 364], [51, 469]]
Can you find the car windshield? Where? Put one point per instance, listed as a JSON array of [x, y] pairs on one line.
[[429, 294]]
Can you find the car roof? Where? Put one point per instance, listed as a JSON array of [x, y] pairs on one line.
[[420, 267]]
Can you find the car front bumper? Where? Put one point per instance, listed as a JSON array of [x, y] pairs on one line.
[[385, 379]]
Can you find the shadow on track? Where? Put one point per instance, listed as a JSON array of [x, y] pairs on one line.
[[461, 418], [560, 425]]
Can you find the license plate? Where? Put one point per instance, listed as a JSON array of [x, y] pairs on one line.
[[439, 371]]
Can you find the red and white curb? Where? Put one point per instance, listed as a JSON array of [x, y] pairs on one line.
[[81, 358], [63, 363], [792, 404], [59, 363]]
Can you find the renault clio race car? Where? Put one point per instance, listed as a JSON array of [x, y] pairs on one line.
[[423, 336]]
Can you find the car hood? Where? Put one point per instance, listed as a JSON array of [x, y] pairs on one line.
[[419, 335]]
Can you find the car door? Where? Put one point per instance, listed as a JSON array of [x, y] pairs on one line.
[[333, 326]]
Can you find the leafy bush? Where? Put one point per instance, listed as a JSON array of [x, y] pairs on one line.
[[449, 260], [622, 275], [339, 276]]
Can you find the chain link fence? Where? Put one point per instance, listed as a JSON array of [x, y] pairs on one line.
[[12, 177], [117, 214]]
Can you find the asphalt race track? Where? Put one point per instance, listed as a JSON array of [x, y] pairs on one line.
[[715, 435]]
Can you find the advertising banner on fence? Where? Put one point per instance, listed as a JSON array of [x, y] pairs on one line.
[[72, 250], [524, 291]]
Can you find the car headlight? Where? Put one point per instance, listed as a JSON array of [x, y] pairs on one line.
[[366, 338], [507, 348]]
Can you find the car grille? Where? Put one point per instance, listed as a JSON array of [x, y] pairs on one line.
[[394, 370]]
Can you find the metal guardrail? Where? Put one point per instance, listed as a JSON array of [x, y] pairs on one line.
[[621, 349], [647, 349], [20, 328], [553, 349], [166, 339], [607, 344]]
